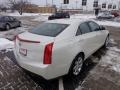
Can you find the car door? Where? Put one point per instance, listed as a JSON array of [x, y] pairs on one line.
[[10, 21], [57, 15], [13, 21], [100, 34], [86, 39]]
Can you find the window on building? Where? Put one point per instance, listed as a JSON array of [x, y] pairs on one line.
[[95, 4], [104, 5], [109, 6], [84, 2], [114, 6], [66, 1]]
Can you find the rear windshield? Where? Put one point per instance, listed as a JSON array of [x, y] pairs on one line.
[[49, 29]]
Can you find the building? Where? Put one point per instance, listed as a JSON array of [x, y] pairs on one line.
[[32, 8], [87, 4]]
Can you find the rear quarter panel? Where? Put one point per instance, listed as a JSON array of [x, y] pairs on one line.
[[64, 50]]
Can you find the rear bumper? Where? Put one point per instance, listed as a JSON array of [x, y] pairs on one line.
[[39, 69]]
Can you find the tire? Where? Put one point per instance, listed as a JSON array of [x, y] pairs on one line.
[[7, 27], [106, 42], [76, 66]]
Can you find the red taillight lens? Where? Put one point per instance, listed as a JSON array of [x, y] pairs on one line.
[[48, 54], [15, 37]]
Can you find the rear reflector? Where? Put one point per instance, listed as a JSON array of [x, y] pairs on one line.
[[29, 41], [48, 54]]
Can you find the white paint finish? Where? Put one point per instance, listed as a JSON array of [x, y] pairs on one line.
[[61, 87], [6, 44], [66, 47]]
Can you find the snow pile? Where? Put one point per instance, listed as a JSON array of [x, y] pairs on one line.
[[112, 59], [24, 14], [93, 17], [46, 14], [41, 18], [109, 23], [83, 16], [6, 44]]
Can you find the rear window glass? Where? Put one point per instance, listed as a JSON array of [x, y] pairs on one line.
[[49, 29]]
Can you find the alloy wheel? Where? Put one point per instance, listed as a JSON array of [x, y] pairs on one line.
[[77, 66]]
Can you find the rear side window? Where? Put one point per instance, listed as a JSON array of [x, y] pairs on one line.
[[78, 32], [94, 26], [84, 28], [11, 18], [6, 18], [49, 29]]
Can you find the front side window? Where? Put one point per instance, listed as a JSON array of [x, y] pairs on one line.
[[11, 18], [84, 28], [49, 29], [93, 26]]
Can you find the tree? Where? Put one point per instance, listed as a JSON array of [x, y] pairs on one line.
[[19, 5], [3, 8]]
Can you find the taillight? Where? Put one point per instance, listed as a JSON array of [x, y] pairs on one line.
[[48, 54], [15, 37]]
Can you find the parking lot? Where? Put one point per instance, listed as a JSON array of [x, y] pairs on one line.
[[101, 68]]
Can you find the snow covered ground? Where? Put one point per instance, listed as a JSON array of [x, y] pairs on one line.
[[111, 57], [18, 15], [44, 17], [101, 22], [6, 44], [109, 23]]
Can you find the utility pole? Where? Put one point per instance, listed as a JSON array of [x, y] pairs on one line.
[[76, 3], [52, 2], [119, 5], [61, 5], [46, 3]]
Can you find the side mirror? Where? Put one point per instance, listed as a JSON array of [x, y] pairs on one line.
[[102, 28]]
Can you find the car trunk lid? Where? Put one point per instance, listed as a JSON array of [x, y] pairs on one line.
[[30, 47]]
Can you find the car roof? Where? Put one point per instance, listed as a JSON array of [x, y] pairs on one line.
[[67, 21]]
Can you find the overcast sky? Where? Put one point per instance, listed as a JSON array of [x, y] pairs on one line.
[[38, 2]]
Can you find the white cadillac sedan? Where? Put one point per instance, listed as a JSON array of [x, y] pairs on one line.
[[59, 47]]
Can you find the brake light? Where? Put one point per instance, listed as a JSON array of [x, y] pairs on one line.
[[48, 54], [15, 40]]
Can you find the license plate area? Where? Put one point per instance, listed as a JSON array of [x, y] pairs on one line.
[[23, 51]]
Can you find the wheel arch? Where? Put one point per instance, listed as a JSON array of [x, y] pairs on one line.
[[8, 24], [80, 53]]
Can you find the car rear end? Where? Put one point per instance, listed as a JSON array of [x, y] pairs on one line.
[[35, 56], [33, 50]]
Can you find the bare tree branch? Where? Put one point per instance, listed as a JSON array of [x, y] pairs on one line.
[[19, 5]]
